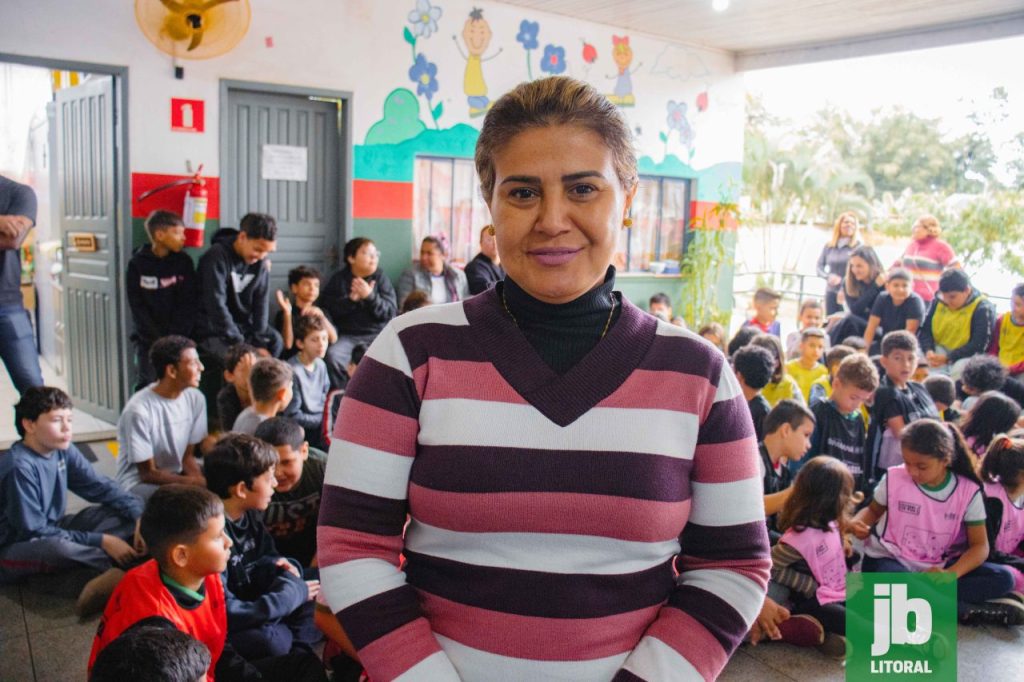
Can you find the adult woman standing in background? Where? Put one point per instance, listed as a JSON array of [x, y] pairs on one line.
[[834, 255]]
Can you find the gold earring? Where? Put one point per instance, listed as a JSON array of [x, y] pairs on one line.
[[490, 230], [627, 223]]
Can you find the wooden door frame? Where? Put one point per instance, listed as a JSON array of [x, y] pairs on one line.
[[122, 189], [345, 152]]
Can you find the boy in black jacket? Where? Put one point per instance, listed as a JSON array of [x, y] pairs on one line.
[[235, 285], [161, 283], [269, 605]]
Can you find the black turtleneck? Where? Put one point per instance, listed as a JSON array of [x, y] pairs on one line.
[[563, 334]]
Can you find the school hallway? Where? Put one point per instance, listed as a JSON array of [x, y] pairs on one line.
[[41, 639]]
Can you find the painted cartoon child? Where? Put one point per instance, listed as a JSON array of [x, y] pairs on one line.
[[476, 34], [622, 53]]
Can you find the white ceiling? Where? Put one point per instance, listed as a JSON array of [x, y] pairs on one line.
[[801, 30]]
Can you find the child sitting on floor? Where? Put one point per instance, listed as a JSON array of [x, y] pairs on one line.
[[811, 316], [942, 389], [36, 475], [766, 312], [234, 396], [992, 414], [753, 366], [807, 368], [152, 652], [782, 386], [1002, 475], [310, 383], [270, 385], [821, 389]]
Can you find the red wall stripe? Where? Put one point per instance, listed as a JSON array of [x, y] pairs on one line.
[[380, 199], [702, 211], [171, 199]]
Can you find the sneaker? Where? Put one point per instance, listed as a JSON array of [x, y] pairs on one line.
[[94, 596], [1005, 611], [802, 630], [834, 646]]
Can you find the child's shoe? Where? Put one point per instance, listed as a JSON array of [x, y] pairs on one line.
[[1005, 611], [802, 630]]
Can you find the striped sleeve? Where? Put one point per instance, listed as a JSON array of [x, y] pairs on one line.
[[724, 564], [362, 514]]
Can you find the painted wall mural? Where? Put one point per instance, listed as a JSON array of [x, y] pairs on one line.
[[622, 54], [476, 34]]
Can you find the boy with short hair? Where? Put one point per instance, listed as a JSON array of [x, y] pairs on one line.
[[766, 310], [270, 385], [36, 536], [808, 368], [234, 396], [942, 389], [149, 652], [821, 389], [840, 430], [898, 307], [958, 324], [812, 315], [162, 425], [753, 366], [311, 382], [981, 373], [788, 429], [161, 289], [898, 401], [304, 284], [235, 289], [660, 305], [269, 605], [1008, 335], [294, 509]]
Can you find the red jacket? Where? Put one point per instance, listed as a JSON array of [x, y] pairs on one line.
[[142, 594]]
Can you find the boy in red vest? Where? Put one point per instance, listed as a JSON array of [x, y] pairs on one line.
[[183, 527]]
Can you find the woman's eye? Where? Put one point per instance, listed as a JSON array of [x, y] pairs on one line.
[[522, 193], [583, 190]]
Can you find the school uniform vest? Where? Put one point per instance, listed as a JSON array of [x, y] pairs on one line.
[[952, 328], [1011, 527], [823, 552], [1011, 341], [920, 531], [142, 594]]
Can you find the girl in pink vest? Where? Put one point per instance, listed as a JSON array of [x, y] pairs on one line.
[[811, 556], [1003, 474], [930, 517]]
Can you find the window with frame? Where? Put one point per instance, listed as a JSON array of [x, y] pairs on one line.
[[661, 225], [447, 201]]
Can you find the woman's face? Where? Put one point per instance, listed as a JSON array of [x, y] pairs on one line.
[[557, 209], [431, 259], [364, 263], [859, 268], [918, 232], [847, 226]]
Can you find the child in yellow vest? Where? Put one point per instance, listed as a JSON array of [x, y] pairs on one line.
[[958, 325], [807, 368], [1008, 335]]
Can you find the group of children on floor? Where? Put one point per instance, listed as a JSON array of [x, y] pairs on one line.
[[885, 462]]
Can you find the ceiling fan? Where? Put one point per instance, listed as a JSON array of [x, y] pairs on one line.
[[194, 29]]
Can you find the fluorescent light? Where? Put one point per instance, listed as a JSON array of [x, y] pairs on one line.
[[719, 5]]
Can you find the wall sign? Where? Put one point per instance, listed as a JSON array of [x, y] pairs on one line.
[[283, 162], [186, 115]]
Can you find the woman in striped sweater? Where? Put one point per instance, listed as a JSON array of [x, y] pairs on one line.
[[580, 480]]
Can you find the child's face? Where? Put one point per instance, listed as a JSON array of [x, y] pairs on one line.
[[315, 344], [767, 311], [287, 396], [307, 290], [171, 238], [1017, 310], [921, 373], [240, 376], [899, 290], [812, 348], [924, 470], [661, 310], [258, 496], [955, 299], [847, 397], [899, 365], [713, 338], [253, 250], [288, 471], [189, 369], [810, 317], [52, 430], [797, 441], [210, 552]]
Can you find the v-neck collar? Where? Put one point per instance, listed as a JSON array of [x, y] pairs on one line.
[[561, 398]]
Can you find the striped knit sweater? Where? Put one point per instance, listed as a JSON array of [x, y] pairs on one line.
[[602, 524]]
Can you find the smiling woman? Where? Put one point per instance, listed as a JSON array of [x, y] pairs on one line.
[[581, 478]]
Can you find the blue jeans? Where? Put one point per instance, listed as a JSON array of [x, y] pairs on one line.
[[18, 348], [988, 581]]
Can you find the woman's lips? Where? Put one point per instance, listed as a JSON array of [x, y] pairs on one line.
[[554, 256]]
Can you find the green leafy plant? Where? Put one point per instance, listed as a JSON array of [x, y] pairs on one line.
[[702, 262]]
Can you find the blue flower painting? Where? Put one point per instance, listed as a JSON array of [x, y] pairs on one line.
[[553, 61]]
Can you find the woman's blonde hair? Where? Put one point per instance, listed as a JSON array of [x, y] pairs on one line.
[[930, 224], [854, 241], [558, 100]]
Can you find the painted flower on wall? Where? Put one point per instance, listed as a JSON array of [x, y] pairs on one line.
[[553, 61], [424, 75], [677, 121], [527, 35], [424, 18]]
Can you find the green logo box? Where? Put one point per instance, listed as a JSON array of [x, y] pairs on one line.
[[901, 627]]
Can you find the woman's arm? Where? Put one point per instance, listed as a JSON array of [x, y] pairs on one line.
[[362, 516], [724, 561]]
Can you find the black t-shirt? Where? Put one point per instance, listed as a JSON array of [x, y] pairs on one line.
[[841, 436], [759, 409], [893, 318], [773, 481], [15, 199], [911, 403], [291, 517]]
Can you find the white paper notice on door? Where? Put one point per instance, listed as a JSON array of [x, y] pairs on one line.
[[283, 162]]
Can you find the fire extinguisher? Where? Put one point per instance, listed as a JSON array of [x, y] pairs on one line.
[[193, 214]]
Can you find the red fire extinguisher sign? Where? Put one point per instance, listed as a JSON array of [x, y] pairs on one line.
[[186, 115]]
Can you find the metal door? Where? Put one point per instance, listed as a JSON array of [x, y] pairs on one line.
[[88, 218], [307, 212]]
